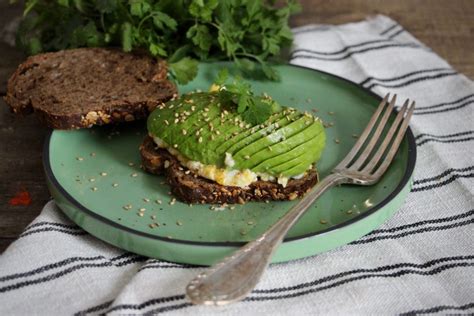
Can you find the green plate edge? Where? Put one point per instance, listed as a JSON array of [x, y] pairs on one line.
[[207, 253]]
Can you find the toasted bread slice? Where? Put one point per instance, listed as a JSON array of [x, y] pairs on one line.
[[191, 188], [83, 87]]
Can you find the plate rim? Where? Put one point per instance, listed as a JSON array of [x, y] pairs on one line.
[[412, 154]]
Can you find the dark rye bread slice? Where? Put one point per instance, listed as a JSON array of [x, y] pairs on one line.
[[83, 87], [191, 188]]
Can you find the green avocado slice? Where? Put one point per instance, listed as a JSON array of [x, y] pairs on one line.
[[282, 120], [304, 152], [281, 148]]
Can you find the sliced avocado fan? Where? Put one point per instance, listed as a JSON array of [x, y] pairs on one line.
[[203, 128]]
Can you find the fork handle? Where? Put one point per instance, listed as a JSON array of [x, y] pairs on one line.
[[234, 277]]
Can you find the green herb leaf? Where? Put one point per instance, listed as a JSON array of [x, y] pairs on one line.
[[222, 76], [257, 111], [200, 36], [184, 70]]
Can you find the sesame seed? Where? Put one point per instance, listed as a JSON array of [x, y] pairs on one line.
[[94, 189], [91, 180], [142, 209], [140, 214], [127, 207], [131, 164], [323, 221], [179, 223], [146, 200], [349, 212], [151, 226], [249, 223], [166, 122], [197, 133], [247, 157], [355, 136], [103, 174], [79, 158], [115, 185], [134, 175], [184, 132], [153, 217], [200, 139], [158, 201], [232, 207], [337, 141], [212, 137], [176, 121], [176, 115], [206, 109], [175, 145], [172, 201], [217, 132], [270, 148], [92, 154]]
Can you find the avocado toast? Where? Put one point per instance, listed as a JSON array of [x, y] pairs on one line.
[[228, 147]]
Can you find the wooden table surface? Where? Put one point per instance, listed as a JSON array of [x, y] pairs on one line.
[[446, 26]]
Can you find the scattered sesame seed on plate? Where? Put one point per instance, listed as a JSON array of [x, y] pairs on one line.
[[146, 200], [103, 174], [142, 209], [134, 174], [323, 221], [115, 185], [92, 154], [179, 223], [158, 201], [94, 189], [91, 179], [79, 158], [131, 164]]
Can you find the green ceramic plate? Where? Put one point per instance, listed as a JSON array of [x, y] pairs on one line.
[[93, 174]]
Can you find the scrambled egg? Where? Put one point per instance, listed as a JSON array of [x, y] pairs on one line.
[[238, 178]]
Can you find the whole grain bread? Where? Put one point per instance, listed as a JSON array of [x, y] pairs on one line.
[[190, 188], [83, 87]]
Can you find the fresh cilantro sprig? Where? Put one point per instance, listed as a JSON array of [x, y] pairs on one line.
[[251, 33], [253, 109]]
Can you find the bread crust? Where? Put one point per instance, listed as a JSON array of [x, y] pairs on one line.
[[45, 84], [191, 188]]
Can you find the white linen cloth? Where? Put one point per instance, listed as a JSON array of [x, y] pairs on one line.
[[419, 262]]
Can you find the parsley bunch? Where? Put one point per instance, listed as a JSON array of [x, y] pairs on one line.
[[252, 33], [253, 109]]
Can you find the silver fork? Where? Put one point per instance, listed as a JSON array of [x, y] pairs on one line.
[[233, 278]]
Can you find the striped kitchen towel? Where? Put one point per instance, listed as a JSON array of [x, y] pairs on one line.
[[419, 262]]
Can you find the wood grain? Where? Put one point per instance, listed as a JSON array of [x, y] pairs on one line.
[[446, 26]]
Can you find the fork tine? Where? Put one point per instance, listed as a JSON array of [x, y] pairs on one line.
[[388, 138], [375, 137], [396, 143], [355, 149]]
